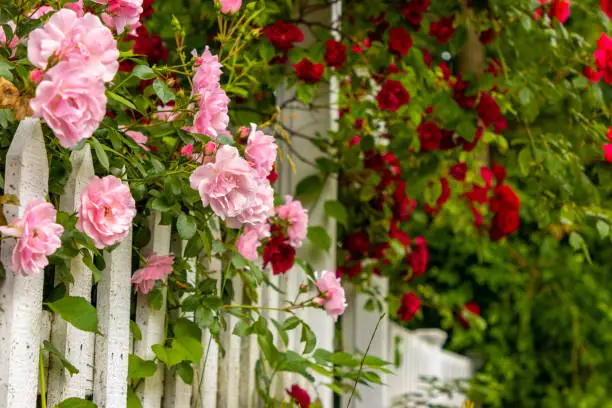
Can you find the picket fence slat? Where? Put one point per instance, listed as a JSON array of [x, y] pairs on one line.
[[249, 354], [151, 321], [45, 332], [76, 345], [271, 298], [112, 346], [27, 177], [229, 365], [176, 392]]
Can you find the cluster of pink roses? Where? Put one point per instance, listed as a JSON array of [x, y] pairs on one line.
[[105, 215], [75, 55]]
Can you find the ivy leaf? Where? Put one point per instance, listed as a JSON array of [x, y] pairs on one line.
[[319, 237], [143, 72], [186, 226], [77, 311], [336, 209], [47, 346], [163, 92], [100, 153], [76, 403], [139, 368]]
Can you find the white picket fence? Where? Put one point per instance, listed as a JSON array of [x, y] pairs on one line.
[[102, 359]]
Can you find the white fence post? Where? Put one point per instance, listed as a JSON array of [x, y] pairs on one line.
[[229, 366], [76, 345], [177, 394], [112, 347], [358, 326], [27, 177], [152, 322]]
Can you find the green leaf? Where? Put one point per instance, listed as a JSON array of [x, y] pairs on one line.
[[47, 346], [186, 226], [336, 209], [132, 399], [204, 317], [242, 329], [185, 371], [576, 241], [194, 247], [344, 359], [76, 311], [76, 403], [603, 228], [135, 330], [121, 99], [7, 12], [291, 323], [305, 92], [139, 368], [163, 92], [143, 72], [310, 186], [319, 237], [100, 153], [5, 69], [308, 338]]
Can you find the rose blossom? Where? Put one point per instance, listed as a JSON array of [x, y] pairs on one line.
[[335, 53], [230, 6], [299, 395], [606, 6], [121, 13], [65, 36], [279, 253], [469, 308], [212, 119], [283, 35], [400, 41], [208, 72], [443, 29], [332, 297], [137, 137], [261, 151], [38, 236], [71, 101], [107, 210], [293, 212], [410, 305], [308, 71], [228, 184], [156, 268], [392, 96], [248, 242], [603, 57], [258, 209], [14, 40]]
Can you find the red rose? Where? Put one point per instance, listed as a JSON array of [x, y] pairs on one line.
[[446, 71], [458, 171], [606, 6], [590, 74], [430, 136], [495, 68], [283, 35], [603, 57], [351, 269], [398, 235], [442, 199], [607, 148], [559, 9], [280, 254], [392, 96], [449, 140], [299, 395], [380, 26], [150, 45], [504, 223], [505, 199], [147, 9], [488, 110], [379, 252], [335, 53], [469, 307], [404, 206], [400, 41], [442, 29], [413, 11], [419, 257], [357, 243], [469, 146], [460, 89], [273, 176], [410, 305], [486, 36], [426, 57], [308, 71]]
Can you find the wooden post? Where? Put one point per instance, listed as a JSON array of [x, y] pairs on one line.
[[27, 177], [76, 345], [152, 322]]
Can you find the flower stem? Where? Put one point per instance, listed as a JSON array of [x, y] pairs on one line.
[[41, 372]]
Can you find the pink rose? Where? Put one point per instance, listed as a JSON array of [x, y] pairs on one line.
[[77, 7], [121, 13], [156, 268], [261, 152], [297, 216], [107, 210], [212, 119], [166, 113], [40, 11], [38, 236], [14, 40], [259, 208], [249, 241], [230, 6], [332, 297], [137, 137], [67, 37], [228, 184], [71, 101], [208, 73]]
